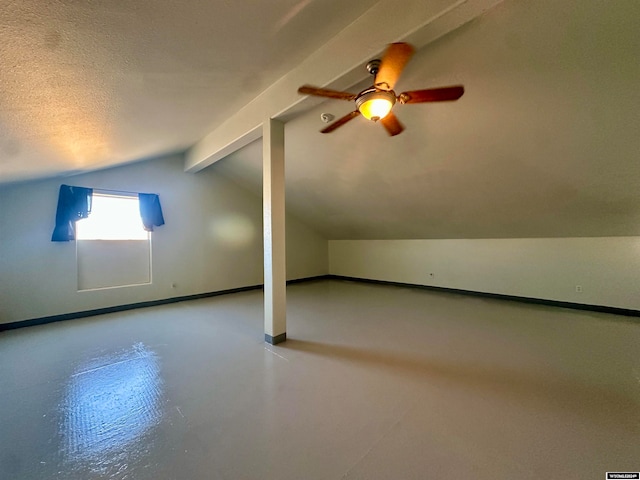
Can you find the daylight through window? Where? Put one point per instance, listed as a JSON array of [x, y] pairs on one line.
[[112, 217]]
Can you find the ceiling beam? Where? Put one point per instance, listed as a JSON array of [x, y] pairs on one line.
[[337, 64]]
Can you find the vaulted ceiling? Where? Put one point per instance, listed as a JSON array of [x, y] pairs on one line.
[[544, 143]]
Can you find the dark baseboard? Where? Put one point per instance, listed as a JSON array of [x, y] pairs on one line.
[[539, 301], [309, 279], [165, 301], [131, 306]]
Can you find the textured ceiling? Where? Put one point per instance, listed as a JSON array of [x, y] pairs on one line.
[[87, 84], [544, 143]]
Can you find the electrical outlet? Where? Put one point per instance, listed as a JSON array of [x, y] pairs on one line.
[[578, 288]]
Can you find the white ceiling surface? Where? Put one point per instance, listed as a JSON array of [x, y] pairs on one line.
[[89, 84], [544, 143]]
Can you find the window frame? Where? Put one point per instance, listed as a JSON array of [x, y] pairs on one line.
[[91, 279]]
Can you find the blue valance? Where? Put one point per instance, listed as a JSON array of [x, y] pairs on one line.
[[150, 211], [74, 203]]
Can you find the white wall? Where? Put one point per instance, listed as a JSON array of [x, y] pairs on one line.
[[307, 251], [607, 268], [212, 241], [128, 263]]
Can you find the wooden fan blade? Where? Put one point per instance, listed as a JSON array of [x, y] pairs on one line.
[[444, 94], [341, 121], [324, 92], [393, 62], [391, 123]]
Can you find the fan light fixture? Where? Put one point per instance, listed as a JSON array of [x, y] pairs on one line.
[[375, 104]]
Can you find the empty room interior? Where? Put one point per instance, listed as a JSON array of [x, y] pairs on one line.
[[219, 260]]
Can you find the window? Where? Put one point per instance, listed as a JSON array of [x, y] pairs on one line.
[[113, 217], [113, 248]]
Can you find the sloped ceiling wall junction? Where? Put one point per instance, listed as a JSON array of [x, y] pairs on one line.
[[544, 142]]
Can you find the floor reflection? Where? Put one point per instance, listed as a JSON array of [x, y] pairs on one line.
[[111, 403]]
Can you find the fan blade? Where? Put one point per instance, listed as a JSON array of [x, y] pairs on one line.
[[392, 124], [393, 62], [324, 92], [444, 94], [340, 121]]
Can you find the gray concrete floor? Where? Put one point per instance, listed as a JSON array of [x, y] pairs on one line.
[[375, 382]]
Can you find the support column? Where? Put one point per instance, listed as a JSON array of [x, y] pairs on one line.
[[275, 275]]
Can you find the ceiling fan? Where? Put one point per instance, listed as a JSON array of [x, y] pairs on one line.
[[375, 102]]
